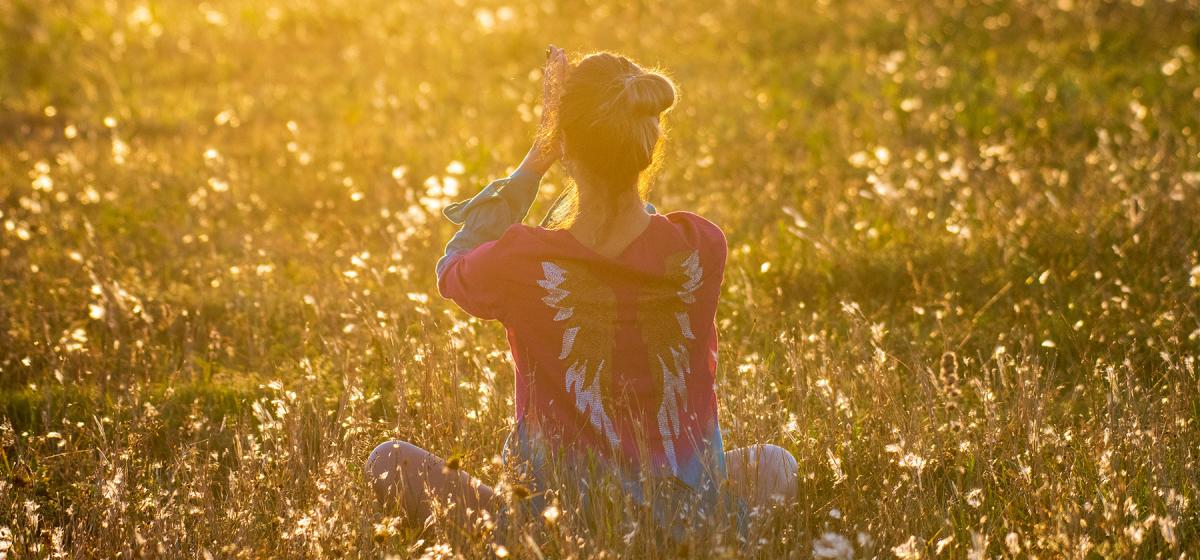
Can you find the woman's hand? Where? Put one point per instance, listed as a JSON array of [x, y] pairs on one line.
[[547, 147]]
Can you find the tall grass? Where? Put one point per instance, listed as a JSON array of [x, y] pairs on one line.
[[963, 289]]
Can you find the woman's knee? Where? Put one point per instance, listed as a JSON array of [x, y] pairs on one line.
[[775, 455], [780, 467], [383, 466], [770, 473]]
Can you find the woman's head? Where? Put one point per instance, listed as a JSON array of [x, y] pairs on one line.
[[610, 125]]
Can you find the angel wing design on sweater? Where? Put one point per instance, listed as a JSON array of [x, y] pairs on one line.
[[667, 330], [586, 307]]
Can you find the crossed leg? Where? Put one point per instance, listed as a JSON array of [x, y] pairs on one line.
[[763, 475], [401, 473]]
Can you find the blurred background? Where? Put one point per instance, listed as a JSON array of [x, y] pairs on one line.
[[963, 288]]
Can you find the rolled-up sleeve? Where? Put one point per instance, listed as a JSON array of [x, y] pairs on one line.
[[485, 216], [463, 272]]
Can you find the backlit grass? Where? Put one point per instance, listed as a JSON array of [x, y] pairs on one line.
[[963, 287]]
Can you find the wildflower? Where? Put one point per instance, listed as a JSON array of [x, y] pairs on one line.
[[386, 527], [907, 550], [942, 544], [913, 461], [975, 497], [43, 183], [1166, 527], [1135, 532], [6, 541], [440, 550], [832, 545], [859, 159], [979, 544], [1013, 543], [949, 369], [120, 150], [8, 436]]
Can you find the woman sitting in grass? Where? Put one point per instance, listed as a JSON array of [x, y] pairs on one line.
[[610, 313]]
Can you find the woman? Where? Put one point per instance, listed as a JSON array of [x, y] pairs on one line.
[[610, 315]]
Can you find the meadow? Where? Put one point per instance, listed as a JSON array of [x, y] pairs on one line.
[[963, 286]]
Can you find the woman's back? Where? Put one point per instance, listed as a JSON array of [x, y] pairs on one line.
[[615, 355]]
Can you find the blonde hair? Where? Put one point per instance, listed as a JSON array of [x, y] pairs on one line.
[[610, 120]]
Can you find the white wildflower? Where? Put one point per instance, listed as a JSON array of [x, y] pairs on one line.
[[832, 545], [907, 550]]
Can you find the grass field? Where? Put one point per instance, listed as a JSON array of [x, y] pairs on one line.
[[963, 288]]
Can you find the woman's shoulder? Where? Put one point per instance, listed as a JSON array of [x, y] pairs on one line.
[[526, 241], [525, 235], [698, 230]]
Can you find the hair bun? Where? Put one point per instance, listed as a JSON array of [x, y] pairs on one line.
[[649, 94]]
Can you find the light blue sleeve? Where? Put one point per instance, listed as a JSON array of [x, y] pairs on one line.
[[485, 216]]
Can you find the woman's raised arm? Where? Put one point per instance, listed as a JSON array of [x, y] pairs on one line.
[[504, 202]]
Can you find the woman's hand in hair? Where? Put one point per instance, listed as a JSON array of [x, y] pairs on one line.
[[547, 147]]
